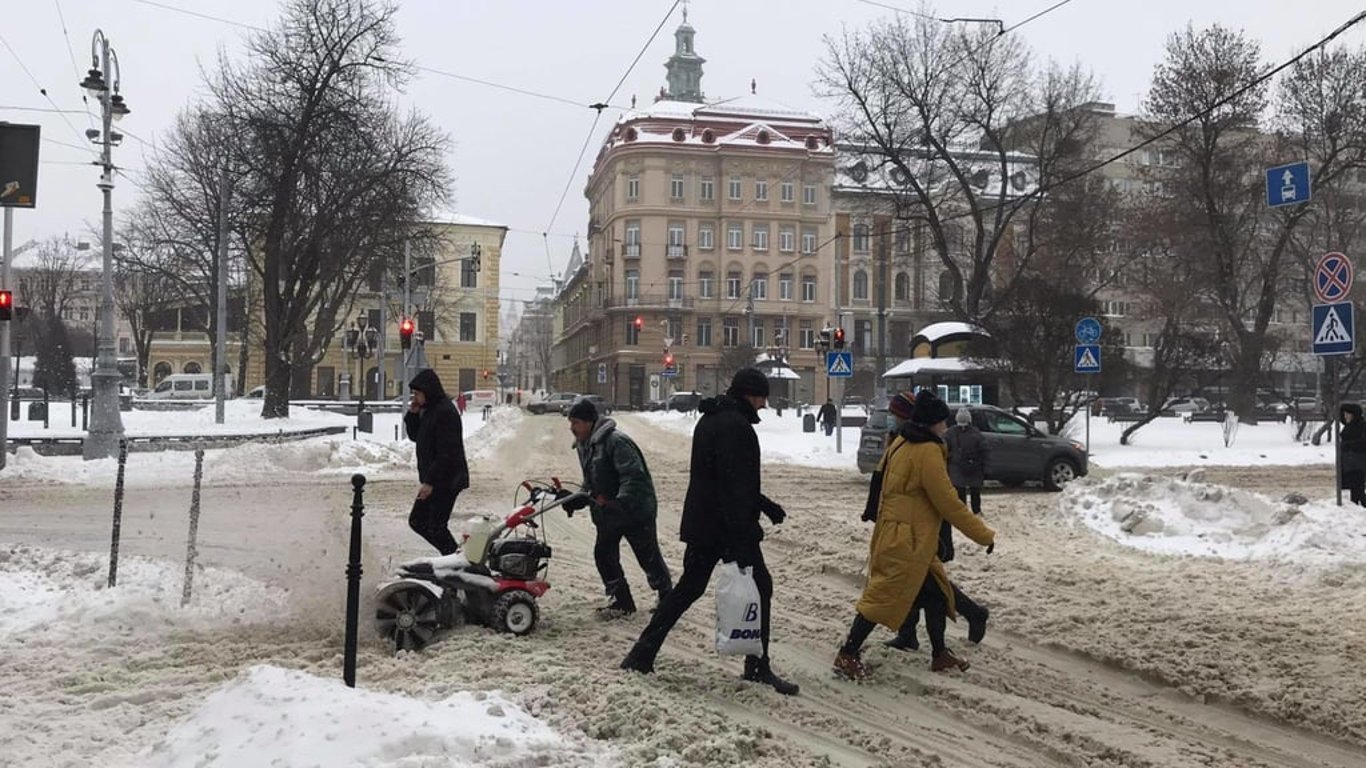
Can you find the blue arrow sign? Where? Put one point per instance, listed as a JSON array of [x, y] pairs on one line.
[[1288, 185], [1088, 330], [1087, 359], [839, 365], [1334, 329]]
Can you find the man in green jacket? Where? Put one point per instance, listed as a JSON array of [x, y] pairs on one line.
[[621, 496]]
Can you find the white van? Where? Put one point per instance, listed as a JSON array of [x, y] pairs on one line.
[[184, 386], [476, 399]]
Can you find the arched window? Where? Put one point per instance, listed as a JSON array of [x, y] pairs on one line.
[[948, 286], [861, 238], [160, 371], [860, 285], [192, 367], [903, 287]]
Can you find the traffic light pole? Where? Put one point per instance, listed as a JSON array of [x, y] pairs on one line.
[[5, 384]]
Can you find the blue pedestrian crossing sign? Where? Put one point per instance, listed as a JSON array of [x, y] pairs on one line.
[[1087, 359], [1334, 329], [1288, 185], [839, 364]]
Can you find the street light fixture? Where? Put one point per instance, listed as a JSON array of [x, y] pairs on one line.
[[106, 423]]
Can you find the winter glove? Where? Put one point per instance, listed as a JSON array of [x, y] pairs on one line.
[[772, 510], [575, 504], [991, 547]]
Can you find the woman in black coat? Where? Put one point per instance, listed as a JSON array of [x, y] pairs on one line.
[[1352, 446]]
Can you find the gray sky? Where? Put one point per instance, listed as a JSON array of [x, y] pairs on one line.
[[512, 153]]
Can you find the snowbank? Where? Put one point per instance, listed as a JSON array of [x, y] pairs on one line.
[[780, 438], [1173, 442], [1176, 516]]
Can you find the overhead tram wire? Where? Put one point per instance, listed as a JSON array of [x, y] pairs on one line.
[[61, 18], [61, 112]]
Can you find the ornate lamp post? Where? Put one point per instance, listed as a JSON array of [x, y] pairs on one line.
[[106, 424]]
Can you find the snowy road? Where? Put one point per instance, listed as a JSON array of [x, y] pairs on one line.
[[1097, 654]]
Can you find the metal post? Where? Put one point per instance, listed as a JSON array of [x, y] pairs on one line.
[[353, 572], [382, 394], [191, 545], [5, 256], [1337, 444], [407, 309], [106, 423], [840, 248], [118, 516], [883, 255], [220, 354]]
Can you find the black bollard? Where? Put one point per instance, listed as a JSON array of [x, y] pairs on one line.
[[353, 571], [192, 543], [118, 516], [73, 413]]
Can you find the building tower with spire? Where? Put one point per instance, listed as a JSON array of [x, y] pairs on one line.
[[685, 66]]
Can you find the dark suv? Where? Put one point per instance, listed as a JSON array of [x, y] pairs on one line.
[[1020, 453]]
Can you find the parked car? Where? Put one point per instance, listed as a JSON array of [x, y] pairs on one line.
[[556, 403], [1116, 406], [1186, 405], [1020, 453], [184, 386], [27, 393], [683, 401], [259, 393], [598, 401]]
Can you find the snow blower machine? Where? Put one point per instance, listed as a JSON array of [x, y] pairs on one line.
[[494, 580]]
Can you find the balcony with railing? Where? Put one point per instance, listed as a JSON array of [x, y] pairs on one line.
[[676, 251], [630, 251], [650, 301]]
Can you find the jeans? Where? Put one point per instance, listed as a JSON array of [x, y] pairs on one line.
[[431, 517], [645, 544], [698, 564]]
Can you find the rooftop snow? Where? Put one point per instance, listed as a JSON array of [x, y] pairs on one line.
[[461, 219], [936, 331]]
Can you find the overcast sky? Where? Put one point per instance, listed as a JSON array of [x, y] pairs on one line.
[[513, 153]]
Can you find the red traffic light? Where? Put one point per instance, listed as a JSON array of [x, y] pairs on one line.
[[668, 361], [839, 338], [6, 305], [405, 333], [640, 322]]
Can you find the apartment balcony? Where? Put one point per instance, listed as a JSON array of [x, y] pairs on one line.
[[648, 302], [676, 251], [630, 251]]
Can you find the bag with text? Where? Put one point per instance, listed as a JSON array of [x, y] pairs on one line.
[[739, 627]]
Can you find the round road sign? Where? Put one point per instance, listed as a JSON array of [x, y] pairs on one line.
[[1088, 330], [1333, 277]]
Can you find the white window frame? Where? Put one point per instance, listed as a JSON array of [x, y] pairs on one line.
[[706, 237], [734, 188], [735, 237], [676, 186], [733, 285], [761, 190], [705, 279], [758, 286], [787, 192], [706, 188], [808, 241], [785, 286], [760, 237], [787, 239], [808, 194], [632, 187], [808, 289]]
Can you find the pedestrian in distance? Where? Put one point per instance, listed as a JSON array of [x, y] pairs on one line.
[[915, 497], [968, 454], [721, 521], [433, 422], [827, 415], [620, 496], [1352, 447]]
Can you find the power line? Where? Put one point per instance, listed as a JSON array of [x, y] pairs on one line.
[[1044, 12], [42, 109], [75, 70], [40, 88], [501, 87], [209, 17], [643, 48]]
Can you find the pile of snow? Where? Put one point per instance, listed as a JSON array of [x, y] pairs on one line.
[[1174, 442], [781, 438], [277, 717], [1184, 516], [44, 590]]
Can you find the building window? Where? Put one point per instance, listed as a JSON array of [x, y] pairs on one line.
[[734, 188], [787, 239], [761, 190], [123, 345], [632, 187], [903, 240], [704, 331], [809, 194], [761, 237], [706, 189], [632, 332], [676, 186], [469, 326], [704, 283], [632, 240], [730, 332], [632, 284], [675, 284], [806, 335], [808, 288], [426, 324], [469, 277], [732, 285], [860, 238], [787, 192], [946, 287], [785, 286], [903, 287], [758, 287], [780, 331], [860, 285], [808, 241], [756, 338], [735, 236], [676, 249], [706, 237]]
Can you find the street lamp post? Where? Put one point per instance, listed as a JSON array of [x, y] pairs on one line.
[[106, 423]]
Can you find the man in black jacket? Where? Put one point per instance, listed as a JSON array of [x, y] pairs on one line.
[[721, 520], [434, 424]]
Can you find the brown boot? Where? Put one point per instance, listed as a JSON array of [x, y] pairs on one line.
[[945, 661], [850, 667]]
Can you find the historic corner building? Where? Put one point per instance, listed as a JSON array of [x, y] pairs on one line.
[[710, 236]]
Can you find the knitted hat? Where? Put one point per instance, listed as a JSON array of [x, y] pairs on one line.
[[583, 410], [902, 405], [929, 409], [749, 381], [964, 416]]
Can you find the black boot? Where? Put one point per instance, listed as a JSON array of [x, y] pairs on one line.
[[757, 670], [903, 642], [622, 604], [977, 625], [641, 658]]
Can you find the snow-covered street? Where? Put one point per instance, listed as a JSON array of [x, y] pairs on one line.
[[1103, 648]]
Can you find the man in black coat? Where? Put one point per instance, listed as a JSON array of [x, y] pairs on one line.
[[826, 416], [434, 424], [721, 520]]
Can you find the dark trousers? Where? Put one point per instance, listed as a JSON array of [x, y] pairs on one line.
[[698, 564], [431, 517], [1354, 481], [829, 427], [976, 493], [966, 607], [645, 544]]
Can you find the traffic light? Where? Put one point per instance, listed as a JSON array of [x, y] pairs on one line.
[[640, 322], [668, 360], [824, 341], [486, 373], [6, 305], [405, 333], [839, 338]]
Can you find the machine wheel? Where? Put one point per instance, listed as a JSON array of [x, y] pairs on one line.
[[407, 615], [515, 611], [1060, 472]]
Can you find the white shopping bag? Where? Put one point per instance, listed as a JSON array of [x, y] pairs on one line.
[[739, 627]]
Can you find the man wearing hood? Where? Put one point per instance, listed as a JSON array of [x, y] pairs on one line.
[[434, 424], [721, 520], [621, 497]]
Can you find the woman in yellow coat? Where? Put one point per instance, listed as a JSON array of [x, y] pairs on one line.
[[904, 567]]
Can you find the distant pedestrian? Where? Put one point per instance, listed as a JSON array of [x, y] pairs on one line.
[[827, 415], [460, 402], [433, 422], [1352, 447], [621, 497], [968, 453]]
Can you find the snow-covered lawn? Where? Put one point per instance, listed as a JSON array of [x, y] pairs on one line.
[[781, 438], [1172, 442]]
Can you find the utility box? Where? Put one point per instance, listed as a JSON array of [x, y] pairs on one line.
[[809, 422], [365, 421]]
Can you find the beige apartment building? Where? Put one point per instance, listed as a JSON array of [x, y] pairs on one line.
[[710, 240]]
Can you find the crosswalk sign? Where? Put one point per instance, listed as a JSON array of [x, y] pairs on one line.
[[839, 364], [1334, 329], [1087, 359]]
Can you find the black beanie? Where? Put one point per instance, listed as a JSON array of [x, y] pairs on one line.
[[929, 409], [749, 381], [583, 410]]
